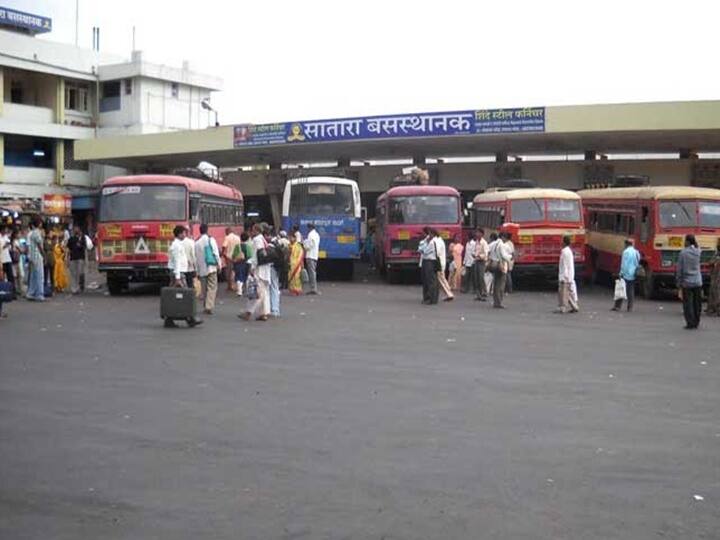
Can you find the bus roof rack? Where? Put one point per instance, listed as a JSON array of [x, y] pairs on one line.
[[412, 177], [512, 183], [209, 175]]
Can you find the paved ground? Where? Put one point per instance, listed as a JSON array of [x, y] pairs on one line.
[[360, 415]]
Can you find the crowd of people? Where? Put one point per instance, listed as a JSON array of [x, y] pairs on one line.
[[38, 261], [486, 268], [258, 266]]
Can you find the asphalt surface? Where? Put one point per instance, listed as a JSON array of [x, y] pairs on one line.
[[360, 414]]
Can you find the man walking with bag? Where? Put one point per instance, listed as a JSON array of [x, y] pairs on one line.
[[207, 259], [629, 264]]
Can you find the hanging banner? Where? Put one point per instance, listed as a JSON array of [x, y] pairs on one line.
[[488, 121]]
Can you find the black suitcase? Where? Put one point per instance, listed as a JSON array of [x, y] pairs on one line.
[[177, 303]]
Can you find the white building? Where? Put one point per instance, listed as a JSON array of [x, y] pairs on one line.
[[52, 94]]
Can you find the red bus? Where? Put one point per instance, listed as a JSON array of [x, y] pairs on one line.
[[137, 216], [537, 219], [401, 214], [657, 218]]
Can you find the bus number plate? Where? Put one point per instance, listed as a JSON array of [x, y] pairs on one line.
[[404, 235], [676, 241], [525, 239], [345, 239], [322, 254]]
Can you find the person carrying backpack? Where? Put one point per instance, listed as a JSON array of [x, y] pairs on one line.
[[207, 257]]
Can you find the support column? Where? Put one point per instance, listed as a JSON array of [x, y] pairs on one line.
[[59, 162], [590, 155], [274, 187], [60, 100], [419, 161], [501, 157], [2, 158]]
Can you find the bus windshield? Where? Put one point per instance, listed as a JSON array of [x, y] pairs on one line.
[[534, 210], [418, 209], [688, 214], [143, 203], [321, 200]]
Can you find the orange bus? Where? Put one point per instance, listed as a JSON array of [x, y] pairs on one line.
[[137, 216], [537, 219], [657, 218]]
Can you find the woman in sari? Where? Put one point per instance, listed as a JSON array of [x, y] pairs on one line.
[[456, 251], [60, 277], [297, 259], [713, 303]]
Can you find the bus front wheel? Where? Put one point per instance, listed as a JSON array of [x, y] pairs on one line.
[[115, 284]]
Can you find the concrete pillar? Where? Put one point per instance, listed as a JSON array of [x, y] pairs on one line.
[[274, 187], [60, 100], [2, 91], [686, 153], [59, 161], [2, 158], [343, 163], [590, 155], [501, 157], [419, 161]]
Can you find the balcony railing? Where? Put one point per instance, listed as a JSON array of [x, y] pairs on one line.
[[28, 113]]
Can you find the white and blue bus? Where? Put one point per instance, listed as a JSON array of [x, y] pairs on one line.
[[333, 205]]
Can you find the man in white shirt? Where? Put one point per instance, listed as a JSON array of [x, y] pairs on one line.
[[6, 256], [468, 265], [441, 252], [499, 259], [428, 271], [207, 259], [481, 256], [567, 301], [189, 245], [312, 253], [178, 265]]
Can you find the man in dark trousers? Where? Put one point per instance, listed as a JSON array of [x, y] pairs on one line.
[[78, 244], [689, 282]]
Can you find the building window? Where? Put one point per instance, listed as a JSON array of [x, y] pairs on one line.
[[76, 97], [110, 100], [128, 86], [175, 90], [16, 92]]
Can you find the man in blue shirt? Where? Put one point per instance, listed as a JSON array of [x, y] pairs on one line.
[[628, 271]]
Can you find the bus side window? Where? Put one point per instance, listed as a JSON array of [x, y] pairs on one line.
[[645, 225], [194, 209]]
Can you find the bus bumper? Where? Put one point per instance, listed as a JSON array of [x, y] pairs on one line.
[[129, 272]]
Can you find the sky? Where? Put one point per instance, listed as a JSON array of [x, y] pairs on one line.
[[312, 59]]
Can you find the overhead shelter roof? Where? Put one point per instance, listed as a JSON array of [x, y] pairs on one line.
[[619, 128]]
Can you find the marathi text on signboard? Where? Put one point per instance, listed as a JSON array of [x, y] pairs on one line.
[[57, 205], [20, 19], [489, 121]]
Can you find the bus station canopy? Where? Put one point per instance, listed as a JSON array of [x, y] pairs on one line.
[[616, 128]]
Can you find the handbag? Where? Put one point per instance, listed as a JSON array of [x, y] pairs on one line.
[[210, 259], [620, 290], [251, 288], [640, 272], [7, 292]]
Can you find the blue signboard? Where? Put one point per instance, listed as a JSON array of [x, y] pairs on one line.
[[34, 23], [488, 121]]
